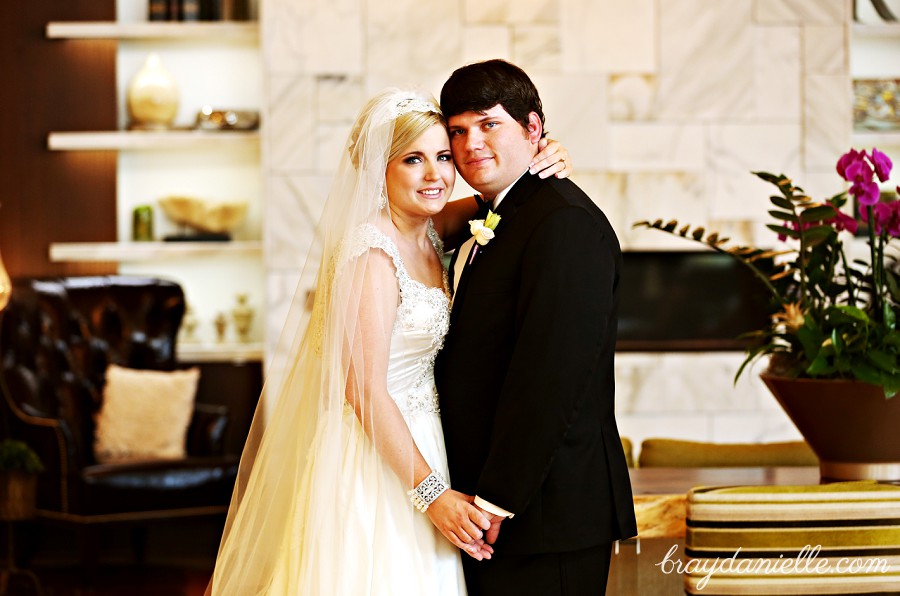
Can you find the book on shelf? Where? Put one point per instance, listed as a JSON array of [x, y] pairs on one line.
[[199, 10]]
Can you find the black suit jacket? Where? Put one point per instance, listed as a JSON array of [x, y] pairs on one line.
[[525, 377]]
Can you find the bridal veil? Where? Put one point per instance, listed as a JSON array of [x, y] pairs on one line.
[[290, 491]]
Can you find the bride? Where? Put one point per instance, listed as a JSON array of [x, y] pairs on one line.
[[346, 492]]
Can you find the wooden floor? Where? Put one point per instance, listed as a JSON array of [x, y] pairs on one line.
[[178, 561], [113, 581]]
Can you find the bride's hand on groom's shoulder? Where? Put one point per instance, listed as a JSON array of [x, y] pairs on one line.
[[552, 159], [462, 523]]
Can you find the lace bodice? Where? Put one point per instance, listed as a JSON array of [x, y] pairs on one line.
[[423, 318]]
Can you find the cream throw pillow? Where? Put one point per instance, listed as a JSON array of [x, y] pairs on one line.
[[145, 414]]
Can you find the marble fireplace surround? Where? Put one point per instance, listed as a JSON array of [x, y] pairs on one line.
[[665, 106]]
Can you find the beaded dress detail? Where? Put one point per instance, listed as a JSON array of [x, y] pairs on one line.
[[423, 318]]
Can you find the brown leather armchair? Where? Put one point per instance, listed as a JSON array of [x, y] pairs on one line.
[[56, 340]]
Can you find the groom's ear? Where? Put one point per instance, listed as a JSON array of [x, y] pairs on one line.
[[535, 128]]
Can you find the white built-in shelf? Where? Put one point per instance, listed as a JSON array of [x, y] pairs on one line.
[[219, 352], [230, 31], [876, 31], [118, 252], [876, 139], [121, 140]]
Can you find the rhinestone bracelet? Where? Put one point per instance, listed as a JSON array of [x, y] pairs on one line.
[[428, 491]]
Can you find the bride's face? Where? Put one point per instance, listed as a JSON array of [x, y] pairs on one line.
[[420, 179]]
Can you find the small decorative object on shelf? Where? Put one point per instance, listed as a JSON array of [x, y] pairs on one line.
[[197, 10], [242, 315], [210, 119], [876, 104], [221, 323], [189, 324], [190, 10], [158, 10], [152, 97], [142, 224], [208, 220]]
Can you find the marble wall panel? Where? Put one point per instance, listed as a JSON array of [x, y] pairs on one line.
[[576, 114], [313, 37], [330, 147], [511, 11], [646, 147], [705, 47], [825, 49], [631, 97], [609, 36], [800, 11], [281, 286], [684, 383], [484, 42], [338, 98], [737, 150], [679, 196], [777, 74], [290, 110], [828, 120], [607, 190], [536, 48], [294, 206], [410, 42]]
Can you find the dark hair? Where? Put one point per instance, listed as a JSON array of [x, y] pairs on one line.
[[480, 86]]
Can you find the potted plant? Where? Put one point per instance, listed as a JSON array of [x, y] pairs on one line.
[[832, 338], [19, 467]]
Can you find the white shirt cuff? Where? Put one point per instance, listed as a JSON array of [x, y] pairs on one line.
[[491, 508]]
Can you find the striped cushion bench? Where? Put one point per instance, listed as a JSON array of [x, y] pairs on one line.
[[841, 538]]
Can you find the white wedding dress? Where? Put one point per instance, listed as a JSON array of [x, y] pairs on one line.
[[386, 547]]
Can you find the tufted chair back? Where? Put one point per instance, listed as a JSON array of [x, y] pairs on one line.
[[59, 335]]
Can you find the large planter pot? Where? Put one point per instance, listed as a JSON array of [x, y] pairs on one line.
[[850, 425]]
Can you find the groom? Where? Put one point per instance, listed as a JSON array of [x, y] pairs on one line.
[[526, 374]]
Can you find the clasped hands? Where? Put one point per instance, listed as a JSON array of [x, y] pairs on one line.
[[466, 525]]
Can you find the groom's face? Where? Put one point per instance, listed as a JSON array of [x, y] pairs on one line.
[[491, 149]]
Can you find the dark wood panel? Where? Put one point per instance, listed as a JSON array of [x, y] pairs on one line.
[[54, 85]]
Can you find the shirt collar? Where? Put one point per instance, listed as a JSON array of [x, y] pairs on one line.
[[505, 191]]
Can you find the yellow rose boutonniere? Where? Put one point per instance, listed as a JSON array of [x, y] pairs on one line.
[[483, 229]]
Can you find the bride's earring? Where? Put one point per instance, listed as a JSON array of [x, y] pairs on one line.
[[383, 203]]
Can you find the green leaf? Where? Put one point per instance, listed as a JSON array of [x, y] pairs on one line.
[[768, 177], [864, 372], [810, 339], [790, 233], [782, 202], [853, 312], [784, 215], [884, 361], [837, 341], [817, 234], [820, 213], [819, 367]]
